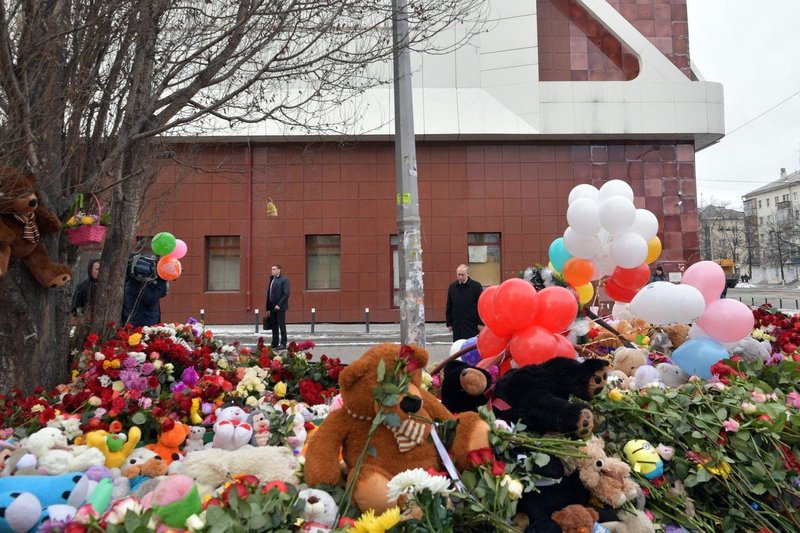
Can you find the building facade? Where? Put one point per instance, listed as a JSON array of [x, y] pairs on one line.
[[772, 219], [554, 93]]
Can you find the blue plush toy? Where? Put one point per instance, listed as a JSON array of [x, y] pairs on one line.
[[24, 499], [48, 489]]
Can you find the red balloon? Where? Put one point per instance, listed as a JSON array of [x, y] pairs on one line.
[[564, 348], [490, 344], [488, 312], [617, 293], [515, 304], [577, 271], [532, 346], [631, 278], [558, 308]]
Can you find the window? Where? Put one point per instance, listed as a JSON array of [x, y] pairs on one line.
[[759, 203], [322, 262], [794, 196], [395, 270], [776, 200], [483, 250], [222, 260], [767, 202]]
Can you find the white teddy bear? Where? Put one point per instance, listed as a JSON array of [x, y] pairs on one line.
[[299, 434], [55, 456], [319, 512], [231, 430], [194, 441]]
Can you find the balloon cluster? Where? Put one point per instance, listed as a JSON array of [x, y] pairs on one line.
[[723, 322], [171, 250], [607, 236], [525, 321]]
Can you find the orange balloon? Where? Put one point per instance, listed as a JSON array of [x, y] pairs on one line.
[[653, 250], [578, 272], [169, 268]]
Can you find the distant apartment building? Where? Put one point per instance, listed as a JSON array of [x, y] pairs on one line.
[[771, 215], [554, 93]]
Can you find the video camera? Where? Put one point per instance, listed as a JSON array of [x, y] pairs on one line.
[[142, 268]]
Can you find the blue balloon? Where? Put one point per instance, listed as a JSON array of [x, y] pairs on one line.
[[558, 254], [696, 356], [472, 357]]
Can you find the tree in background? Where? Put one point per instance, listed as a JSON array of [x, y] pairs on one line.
[[88, 87]]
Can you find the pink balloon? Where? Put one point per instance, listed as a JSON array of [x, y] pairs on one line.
[[707, 277], [726, 320], [179, 251]]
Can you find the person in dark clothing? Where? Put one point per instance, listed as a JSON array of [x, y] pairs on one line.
[[658, 275], [278, 291], [141, 304], [83, 300], [461, 314]]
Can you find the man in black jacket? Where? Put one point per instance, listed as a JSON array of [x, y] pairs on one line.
[[277, 304], [462, 305]]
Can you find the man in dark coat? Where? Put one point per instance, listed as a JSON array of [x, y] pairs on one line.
[[277, 304], [462, 305], [83, 300], [141, 305]]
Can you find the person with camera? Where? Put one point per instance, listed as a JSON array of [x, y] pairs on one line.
[[277, 304], [141, 305]]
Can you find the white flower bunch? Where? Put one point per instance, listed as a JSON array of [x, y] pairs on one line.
[[252, 381], [414, 481]]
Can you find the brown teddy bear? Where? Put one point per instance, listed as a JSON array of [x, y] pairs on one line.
[[22, 220], [575, 519], [410, 446], [678, 334]]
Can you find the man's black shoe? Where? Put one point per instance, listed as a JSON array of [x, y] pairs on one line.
[[282, 347]]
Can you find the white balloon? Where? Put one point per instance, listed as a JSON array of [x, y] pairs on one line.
[[693, 304], [604, 264], [617, 214], [645, 224], [615, 188], [628, 250], [621, 311], [456, 346], [583, 216], [658, 303], [584, 190], [582, 246]]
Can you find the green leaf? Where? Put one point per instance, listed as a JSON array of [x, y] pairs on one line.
[[372, 451], [390, 400], [392, 419], [381, 370]]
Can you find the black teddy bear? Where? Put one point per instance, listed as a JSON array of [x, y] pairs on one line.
[[464, 386], [538, 395]]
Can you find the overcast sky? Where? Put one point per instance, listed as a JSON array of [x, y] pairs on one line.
[[753, 49]]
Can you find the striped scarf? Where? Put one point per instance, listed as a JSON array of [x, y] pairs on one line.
[[409, 434], [31, 232]]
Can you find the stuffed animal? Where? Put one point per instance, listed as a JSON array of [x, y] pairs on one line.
[[672, 375], [398, 448], [539, 395], [751, 349], [55, 456], [297, 439], [194, 441], [22, 221], [231, 430], [607, 478], [575, 519], [643, 458], [463, 386], [174, 500], [646, 376], [169, 440], [213, 466], [627, 360], [320, 509], [631, 330], [678, 334], [259, 421], [115, 446]]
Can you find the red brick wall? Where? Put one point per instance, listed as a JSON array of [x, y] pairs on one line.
[[574, 46], [517, 189]]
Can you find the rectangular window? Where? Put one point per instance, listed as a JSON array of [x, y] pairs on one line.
[[395, 270], [223, 259], [483, 251], [322, 262], [776, 200], [767, 202], [759, 203]]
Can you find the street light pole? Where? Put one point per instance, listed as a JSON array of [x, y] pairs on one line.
[[409, 246]]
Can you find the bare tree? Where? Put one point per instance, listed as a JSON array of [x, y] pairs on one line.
[[781, 242], [721, 232], [87, 87]]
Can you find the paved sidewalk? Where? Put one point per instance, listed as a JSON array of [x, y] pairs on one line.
[[346, 341]]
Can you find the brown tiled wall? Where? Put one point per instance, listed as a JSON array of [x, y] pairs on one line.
[[519, 190], [574, 46]]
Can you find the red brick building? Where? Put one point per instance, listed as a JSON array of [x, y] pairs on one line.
[[492, 192]]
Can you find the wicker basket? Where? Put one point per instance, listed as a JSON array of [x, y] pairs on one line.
[[89, 234]]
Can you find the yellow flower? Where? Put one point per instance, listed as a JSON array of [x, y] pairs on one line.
[[386, 521], [364, 523], [116, 363], [87, 220], [118, 386], [134, 339], [72, 222], [615, 395], [194, 412], [722, 469], [279, 389]]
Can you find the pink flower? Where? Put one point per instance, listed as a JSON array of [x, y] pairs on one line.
[[758, 397], [793, 399], [731, 425]]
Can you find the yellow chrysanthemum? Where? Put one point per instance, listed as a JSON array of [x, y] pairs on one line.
[[722, 469], [364, 523], [72, 222], [615, 395], [386, 521], [280, 389], [134, 339], [87, 220]]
